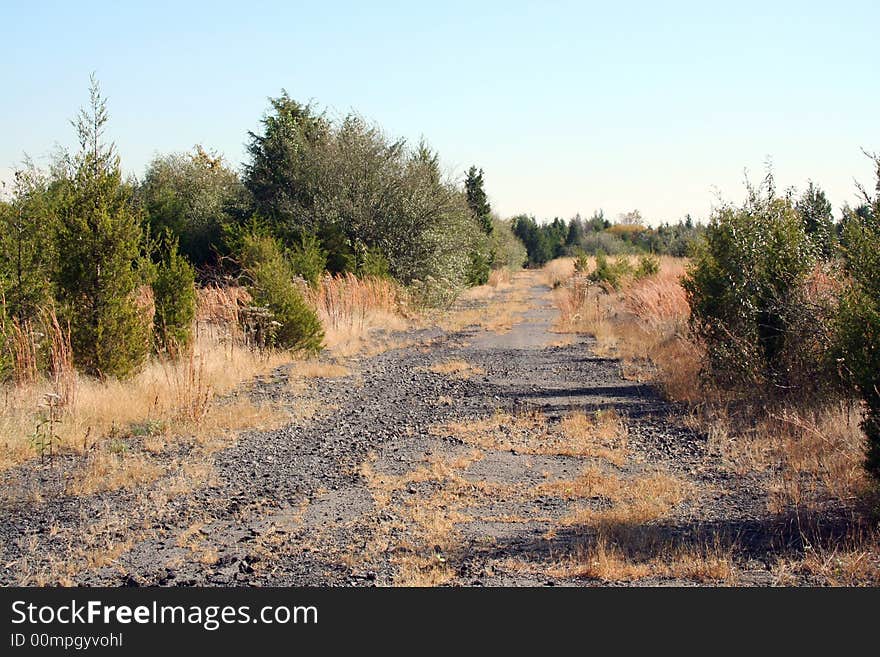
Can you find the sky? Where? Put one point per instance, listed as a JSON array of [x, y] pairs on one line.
[[566, 106]]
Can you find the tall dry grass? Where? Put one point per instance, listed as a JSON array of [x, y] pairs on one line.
[[179, 394], [352, 308]]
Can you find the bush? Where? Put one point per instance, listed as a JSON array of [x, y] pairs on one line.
[[582, 262], [374, 264], [308, 260], [746, 291], [478, 270], [174, 296], [859, 322], [649, 265], [97, 280], [611, 274], [292, 323]]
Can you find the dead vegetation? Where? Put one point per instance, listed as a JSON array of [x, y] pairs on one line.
[[456, 368]]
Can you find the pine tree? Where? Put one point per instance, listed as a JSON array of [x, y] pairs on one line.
[[477, 200], [815, 211], [99, 240], [174, 296]]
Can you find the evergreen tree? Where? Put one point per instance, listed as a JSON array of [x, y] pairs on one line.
[[25, 250], [99, 238], [815, 212], [477, 200], [174, 296]]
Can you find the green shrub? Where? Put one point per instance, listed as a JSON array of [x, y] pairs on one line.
[[308, 260], [745, 289], [611, 274], [479, 269], [174, 297], [581, 262], [649, 265], [291, 324], [374, 264], [99, 234], [859, 322]]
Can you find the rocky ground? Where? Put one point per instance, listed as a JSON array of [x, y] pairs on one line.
[[407, 475]]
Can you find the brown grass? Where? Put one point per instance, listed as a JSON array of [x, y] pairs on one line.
[[456, 368], [599, 435]]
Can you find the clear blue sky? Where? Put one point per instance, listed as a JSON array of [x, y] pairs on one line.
[[568, 106]]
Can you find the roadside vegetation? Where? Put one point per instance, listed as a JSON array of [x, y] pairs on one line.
[[768, 335], [135, 308]]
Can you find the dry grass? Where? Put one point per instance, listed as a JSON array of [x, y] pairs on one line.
[[599, 435], [313, 369], [503, 307], [557, 272], [641, 555], [105, 471], [456, 368], [352, 308]]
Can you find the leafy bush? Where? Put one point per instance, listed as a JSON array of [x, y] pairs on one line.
[[745, 288], [508, 251], [174, 296], [292, 323]]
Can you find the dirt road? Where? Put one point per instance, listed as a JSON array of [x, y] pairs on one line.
[[498, 454]]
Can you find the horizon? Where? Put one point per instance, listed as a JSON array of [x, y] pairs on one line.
[[660, 111]]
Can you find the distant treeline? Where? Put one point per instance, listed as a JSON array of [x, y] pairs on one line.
[[557, 238]]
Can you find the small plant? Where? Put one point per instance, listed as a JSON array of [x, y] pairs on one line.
[[288, 321], [611, 274], [45, 437], [649, 265], [308, 260], [174, 297], [374, 264], [581, 262]]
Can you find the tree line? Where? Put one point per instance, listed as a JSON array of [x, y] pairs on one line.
[[117, 259]]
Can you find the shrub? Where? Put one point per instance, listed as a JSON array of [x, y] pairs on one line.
[[174, 296], [859, 322], [100, 236], [374, 264], [292, 323], [611, 274], [649, 265], [746, 290], [582, 262], [478, 269], [308, 260]]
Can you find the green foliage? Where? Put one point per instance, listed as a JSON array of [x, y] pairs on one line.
[[358, 191], [271, 282], [100, 236], [507, 249], [539, 240], [308, 260], [815, 212], [745, 289], [192, 195], [649, 265], [479, 269], [477, 200], [26, 250], [174, 296], [859, 321], [374, 264], [582, 262], [612, 274]]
